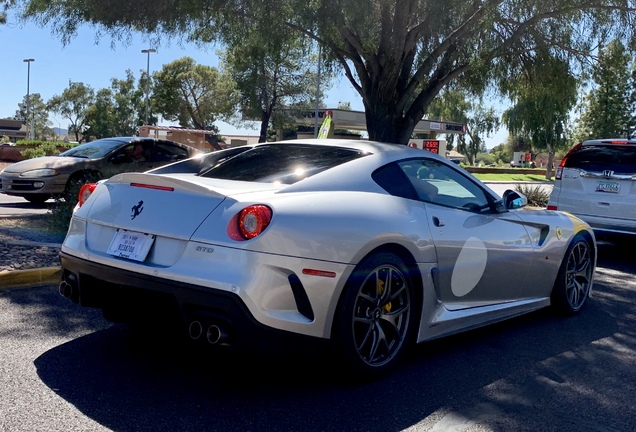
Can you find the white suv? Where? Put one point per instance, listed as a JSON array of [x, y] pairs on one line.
[[596, 181]]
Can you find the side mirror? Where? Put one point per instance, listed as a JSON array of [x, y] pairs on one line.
[[514, 200]]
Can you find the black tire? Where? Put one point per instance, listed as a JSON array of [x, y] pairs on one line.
[[574, 280], [75, 183], [38, 199], [376, 317]]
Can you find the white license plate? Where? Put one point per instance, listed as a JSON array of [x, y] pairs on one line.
[[611, 187], [130, 245]]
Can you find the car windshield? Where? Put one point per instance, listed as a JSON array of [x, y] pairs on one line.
[[94, 149], [281, 163], [618, 158]]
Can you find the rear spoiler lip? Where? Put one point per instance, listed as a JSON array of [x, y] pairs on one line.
[[194, 184]]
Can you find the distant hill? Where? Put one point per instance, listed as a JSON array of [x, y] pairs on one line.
[[60, 132]]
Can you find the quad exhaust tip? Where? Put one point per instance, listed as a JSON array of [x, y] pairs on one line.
[[66, 289], [195, 330], [214, 334]]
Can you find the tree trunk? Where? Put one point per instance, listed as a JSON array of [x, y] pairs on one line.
[[385, 126], [548, 170], [262, 137]]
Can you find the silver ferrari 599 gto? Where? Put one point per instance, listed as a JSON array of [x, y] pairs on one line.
[[369, 247]]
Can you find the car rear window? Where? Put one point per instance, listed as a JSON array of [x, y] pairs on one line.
[[597, 158], [281, 163]]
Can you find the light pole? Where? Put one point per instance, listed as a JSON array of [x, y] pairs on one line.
[[148, 51], [28, 107]]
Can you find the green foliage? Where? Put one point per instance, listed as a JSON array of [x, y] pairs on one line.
[[274, 70], [543, 98], [608, 109], [397, 55], [537, 196], [501, 154], [73, 104], [194, 95], [38, 113], [60, 213], [39, 149], [482, 122], [485, 159], [118, 110]]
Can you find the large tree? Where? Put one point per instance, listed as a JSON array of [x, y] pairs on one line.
[[194, 95], [272, 73], [129, 101], [100, 116], [39, 116], [398, 54], [482, 122], [608, 107], [543, 97], [72, 104]]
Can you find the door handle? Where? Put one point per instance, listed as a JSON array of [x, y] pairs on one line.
[[437, 222]]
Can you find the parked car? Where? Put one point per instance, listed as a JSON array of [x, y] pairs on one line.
[[365, 246], [41, 178], [596, 181]]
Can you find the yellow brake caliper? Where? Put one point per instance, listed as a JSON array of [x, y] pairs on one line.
[[387, 307]]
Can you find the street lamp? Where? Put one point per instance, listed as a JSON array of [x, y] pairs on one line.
[[28, 107], [148, 51]]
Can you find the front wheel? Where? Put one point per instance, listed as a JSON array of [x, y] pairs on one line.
[[38, 199], [376, 317], [574, 279]]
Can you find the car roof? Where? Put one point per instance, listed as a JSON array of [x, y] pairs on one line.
[[363, 145], [610, 141]]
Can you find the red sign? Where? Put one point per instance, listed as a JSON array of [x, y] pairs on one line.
[[432, 146]]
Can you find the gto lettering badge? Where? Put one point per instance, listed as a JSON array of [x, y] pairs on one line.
[[204, 249], [136, 210]]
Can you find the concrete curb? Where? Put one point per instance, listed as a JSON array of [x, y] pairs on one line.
[[28, 278]]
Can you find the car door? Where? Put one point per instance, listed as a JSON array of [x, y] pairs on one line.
[[484, 257]]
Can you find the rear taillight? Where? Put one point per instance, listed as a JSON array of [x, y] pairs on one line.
[[552, 207], [249, 222], [559, 171], [85, 192]]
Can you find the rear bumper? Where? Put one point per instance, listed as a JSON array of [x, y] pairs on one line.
[[142, 297]]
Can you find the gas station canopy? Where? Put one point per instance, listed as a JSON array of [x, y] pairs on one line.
[[355, 120]]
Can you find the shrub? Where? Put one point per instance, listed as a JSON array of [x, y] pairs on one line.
[[59, 214], [43, 148], [537, 196]]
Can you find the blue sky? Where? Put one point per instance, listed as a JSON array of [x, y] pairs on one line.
[[94, 63]]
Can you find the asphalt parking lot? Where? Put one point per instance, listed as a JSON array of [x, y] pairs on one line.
[[64, 368]]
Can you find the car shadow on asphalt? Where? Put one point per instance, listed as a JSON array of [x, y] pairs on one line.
[[129, 381]]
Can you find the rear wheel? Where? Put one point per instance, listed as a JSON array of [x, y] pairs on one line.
[[376, 317], [574, 280]]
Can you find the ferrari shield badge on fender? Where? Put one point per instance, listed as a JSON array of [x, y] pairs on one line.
[[558, 232], [137, 209]]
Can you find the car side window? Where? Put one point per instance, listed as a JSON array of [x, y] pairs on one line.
[[168, 152], [440, 184]]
